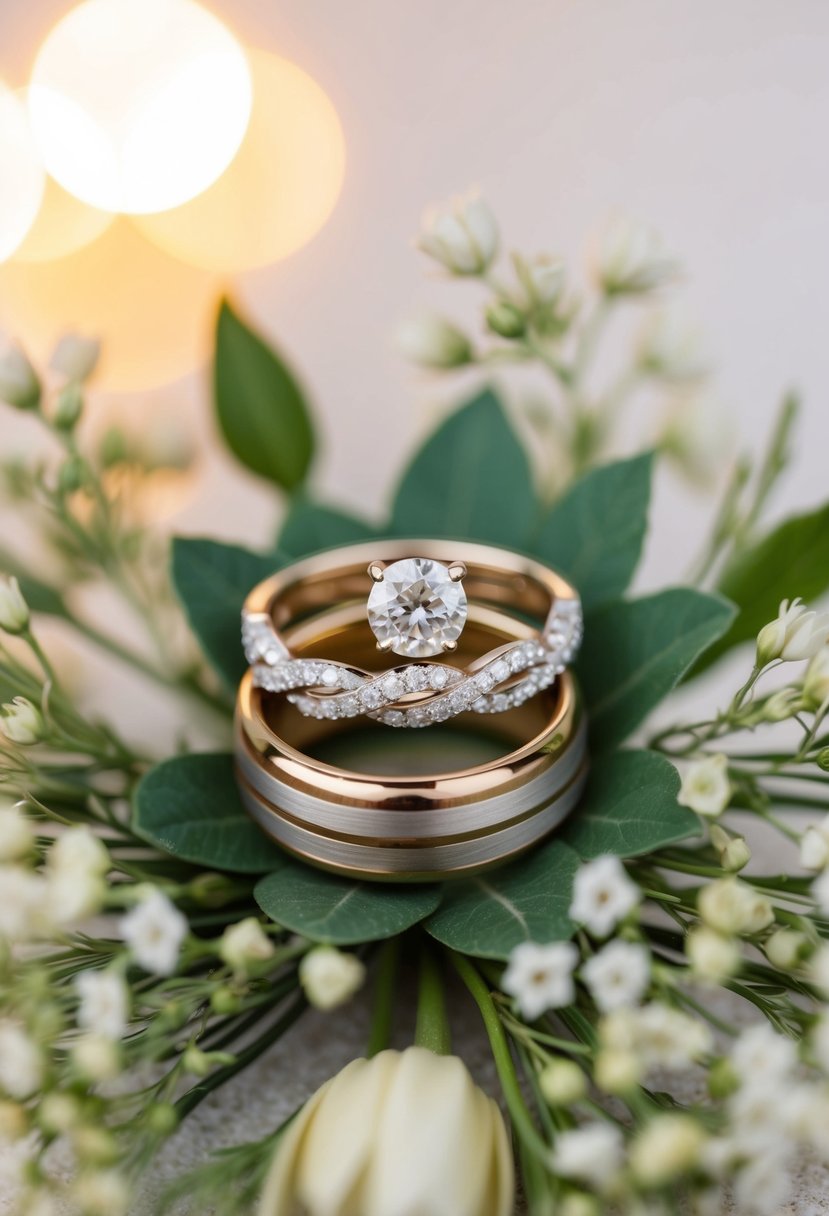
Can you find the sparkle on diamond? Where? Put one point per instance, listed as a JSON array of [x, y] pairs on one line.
[[417, 608]]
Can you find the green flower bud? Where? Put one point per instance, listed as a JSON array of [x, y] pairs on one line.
[[14, 611], [69, 407], [505, 319], [162, 1118], [212, 890], [22, 722], [19, 385], [72, 475], [113, 449], [562, 1083], [224, 1001], [722, 1079], [823, 759]]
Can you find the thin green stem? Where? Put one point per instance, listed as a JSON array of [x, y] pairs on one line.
[[432, 1026], [520, 1115], [385, 986]]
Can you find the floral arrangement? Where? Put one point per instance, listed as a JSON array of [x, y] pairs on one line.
[[655, 1003]]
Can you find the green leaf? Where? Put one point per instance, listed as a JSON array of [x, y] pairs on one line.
[[793, 560], [311, 526], [526, 901], [629, 807], [341, 911], [189, 806], [470, 480], [262, 410], [212, 580], [636, 651], [594, 534]]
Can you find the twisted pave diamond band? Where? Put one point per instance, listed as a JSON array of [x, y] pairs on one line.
[[417, 608]]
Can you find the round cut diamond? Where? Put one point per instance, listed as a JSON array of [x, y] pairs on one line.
[[416, 609]]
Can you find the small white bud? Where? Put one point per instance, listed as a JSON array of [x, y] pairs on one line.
[[433, 342], [96, 1058], [462, 236], [22, 722], [540, 281], [79, 851], [816, 680], [562, 1083], [17, 833], [330, 977], [75, 357], [671, 348], [733, 850], [814, 846], [732, 906], [102, 1193], [19, 385], [632, 259], [14, 611], [668, 1147], [245, 943], [713, 957], [617, 1071], [795, 634], [786, 948]]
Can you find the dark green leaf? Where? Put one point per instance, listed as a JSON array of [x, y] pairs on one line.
[[189, 806], [793, 560], [340, 911], [594, 534], [471, 480], [212, 580], [262, 410], [311, 526], [526, 901], [636, 651], [629, 807]]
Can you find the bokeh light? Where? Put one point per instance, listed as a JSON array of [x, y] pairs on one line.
[[280, 188], [151, 312], [21, 173], [63, 225], [139, 105]]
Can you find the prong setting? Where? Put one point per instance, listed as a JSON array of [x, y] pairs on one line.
[[449, 647], [457, 571], [375, 571]]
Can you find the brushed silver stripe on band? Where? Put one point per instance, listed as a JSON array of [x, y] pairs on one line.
[[448, 820], [428, 859]]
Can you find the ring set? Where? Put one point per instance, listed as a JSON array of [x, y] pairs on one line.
[[468, 629]]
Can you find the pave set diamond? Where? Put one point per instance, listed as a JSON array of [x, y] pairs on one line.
[[417, 608]]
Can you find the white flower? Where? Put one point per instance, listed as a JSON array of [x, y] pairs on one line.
[[104, 1003], [705, 786], [79, 851], [14, 611], [245, 942], [617, 1072], [713, 957], [796, 633], [330, 977], [763, 1186], [96, 1058], [672, 348], [732, 906], [816, 680], [762, 1057], [814, 845], [403, 1133], [16, 833], [592, 1153], [463, 237], [632, 258], [669, 1145], [154, 930], [665, 1037], [24, 908], [618, 975], [540, 281], [19, 385], [433, 342], [697, 435], [75, 357], [603, 895], [541, 977], [820, 891], [21, 1064], [22, 722]]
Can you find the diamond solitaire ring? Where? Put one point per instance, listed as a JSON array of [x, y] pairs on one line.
[[417, 598]]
